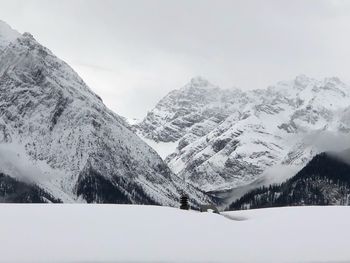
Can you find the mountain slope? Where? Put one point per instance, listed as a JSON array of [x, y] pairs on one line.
[[236, 136], [325, 180], [80, 149], [14, 191]]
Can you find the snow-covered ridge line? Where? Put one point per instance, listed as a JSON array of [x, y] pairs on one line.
[[229, 138], [79, 149]]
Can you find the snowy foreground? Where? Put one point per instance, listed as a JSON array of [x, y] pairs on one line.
[[121, 233]]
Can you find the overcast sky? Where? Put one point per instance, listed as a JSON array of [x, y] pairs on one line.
[[132, 53]]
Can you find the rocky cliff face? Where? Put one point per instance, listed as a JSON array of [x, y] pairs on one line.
[[228, 138], [75, 147], [195, 109]]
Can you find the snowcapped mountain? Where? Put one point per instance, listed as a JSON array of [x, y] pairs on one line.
[[195, 109], [228, 138], [57, 134]]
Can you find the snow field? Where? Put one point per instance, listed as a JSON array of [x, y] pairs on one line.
[[124, 233]]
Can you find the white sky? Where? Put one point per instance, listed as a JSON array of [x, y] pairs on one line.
[[132, 53]]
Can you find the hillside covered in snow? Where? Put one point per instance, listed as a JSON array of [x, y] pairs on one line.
[[56, 134], [325, 180], [222, 139], [122, 233]]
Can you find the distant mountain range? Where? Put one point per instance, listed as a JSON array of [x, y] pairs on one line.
[[224, 139]]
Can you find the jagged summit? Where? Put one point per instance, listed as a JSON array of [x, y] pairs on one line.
[[302, 79], [184, 110], [199, 82], [303, 82], [28, 35], [228, 138], [77, 149]]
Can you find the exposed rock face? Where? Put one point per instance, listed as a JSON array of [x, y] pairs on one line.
[[228, 138], [195, 109], [80, 150]]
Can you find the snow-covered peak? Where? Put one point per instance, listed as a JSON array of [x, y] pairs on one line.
[[227, 138], [335, 82], [199, 82], [28, 35], [302, 80], [83, 151], [7, 35], [196, 108], [333, 79], [294, 86]]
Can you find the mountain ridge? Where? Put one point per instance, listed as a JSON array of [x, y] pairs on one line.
[[228, 138], [78, 149]]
